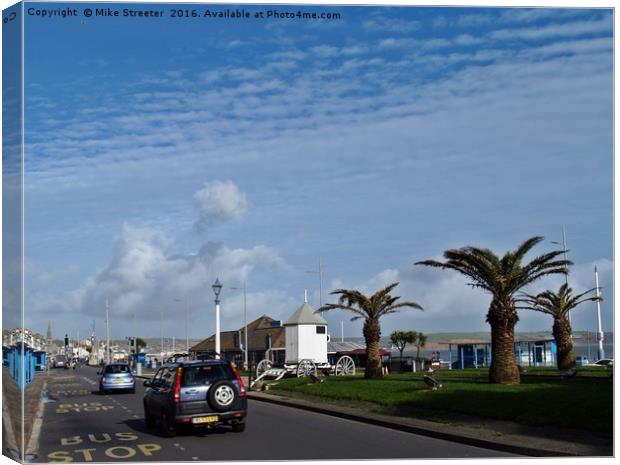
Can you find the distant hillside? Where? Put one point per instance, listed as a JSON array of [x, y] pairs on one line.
[[579, 337]]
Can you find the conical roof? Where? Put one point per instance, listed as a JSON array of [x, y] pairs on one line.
[[305, 315]]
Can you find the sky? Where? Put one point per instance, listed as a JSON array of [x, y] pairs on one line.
[[163, 153]]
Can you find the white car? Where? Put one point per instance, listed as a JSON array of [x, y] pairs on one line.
[[604, 362]]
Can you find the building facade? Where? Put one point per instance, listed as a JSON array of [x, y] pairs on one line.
[[265, 340]]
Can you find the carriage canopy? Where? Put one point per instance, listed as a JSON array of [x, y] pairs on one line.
[[306, 336]]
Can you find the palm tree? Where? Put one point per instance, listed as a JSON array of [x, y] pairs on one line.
[[558, 305], [371, 309], [502, 278]]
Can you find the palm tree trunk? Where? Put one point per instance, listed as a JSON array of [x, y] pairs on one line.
[[372, 336], [562, 333], [503, 317]]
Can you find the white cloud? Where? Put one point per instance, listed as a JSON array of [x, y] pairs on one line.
[[572, 29], [529, 15], [586, 46], [323, 134], [452, 305], [325, 51], [466, 40], [144, 279], [218, 202], [392, 25], [292, 54], [473, 20]]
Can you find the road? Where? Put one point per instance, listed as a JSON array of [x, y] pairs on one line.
[[80, 425]]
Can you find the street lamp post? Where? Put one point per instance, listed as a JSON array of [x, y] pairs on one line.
[[187, 327], [107, 331], [161, 332], [135, 343], [217, 288], [245, 324], [563, 244], [600, 336]]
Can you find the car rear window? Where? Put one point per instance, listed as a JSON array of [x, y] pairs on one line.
[[61, 358], [205, 374], [117, 369]]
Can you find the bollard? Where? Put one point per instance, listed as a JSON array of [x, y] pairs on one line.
[[139, 369]]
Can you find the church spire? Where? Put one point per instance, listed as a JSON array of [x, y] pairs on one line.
[[49, 336]]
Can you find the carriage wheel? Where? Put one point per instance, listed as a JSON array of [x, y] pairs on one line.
[[306, 368], [345, 366], [263, 366]]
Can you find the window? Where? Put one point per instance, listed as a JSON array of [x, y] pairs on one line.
[[320, 329], [157, 379], [168, 377], [205, 374], [116, 369]]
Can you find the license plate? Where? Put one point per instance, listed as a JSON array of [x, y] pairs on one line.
[[209, 419], [117, 380]]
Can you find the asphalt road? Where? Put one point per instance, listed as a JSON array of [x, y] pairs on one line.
[[79, 425]]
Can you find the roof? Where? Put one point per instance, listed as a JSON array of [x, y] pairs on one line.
[[305, 315], [337, 347], [257, 337], [488, 341], [382, 352], [465, 341], [534, 339]]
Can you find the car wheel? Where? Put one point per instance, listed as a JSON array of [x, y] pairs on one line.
[[167, 427], [101, 391], [222, 396], [238, 427]]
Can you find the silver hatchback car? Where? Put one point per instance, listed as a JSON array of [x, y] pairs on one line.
[[117, 377]]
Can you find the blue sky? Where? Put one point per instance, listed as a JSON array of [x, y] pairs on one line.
[[163, 153]]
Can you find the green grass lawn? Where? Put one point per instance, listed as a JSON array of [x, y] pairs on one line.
[[584, 403]]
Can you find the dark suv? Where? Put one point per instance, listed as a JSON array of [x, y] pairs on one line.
[[199, 393]]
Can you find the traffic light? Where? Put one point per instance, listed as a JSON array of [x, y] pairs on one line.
[[66, 340]]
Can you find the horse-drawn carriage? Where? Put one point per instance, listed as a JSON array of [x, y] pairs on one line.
[[306, 350]]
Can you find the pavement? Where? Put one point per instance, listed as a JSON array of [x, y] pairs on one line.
[[12, 424], [487, 433]]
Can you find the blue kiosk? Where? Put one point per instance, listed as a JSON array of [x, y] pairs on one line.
[[472, 353]]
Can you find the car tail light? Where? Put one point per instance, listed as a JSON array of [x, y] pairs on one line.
[[239, 380], [177, 386], [131, 379], [103, 380]]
